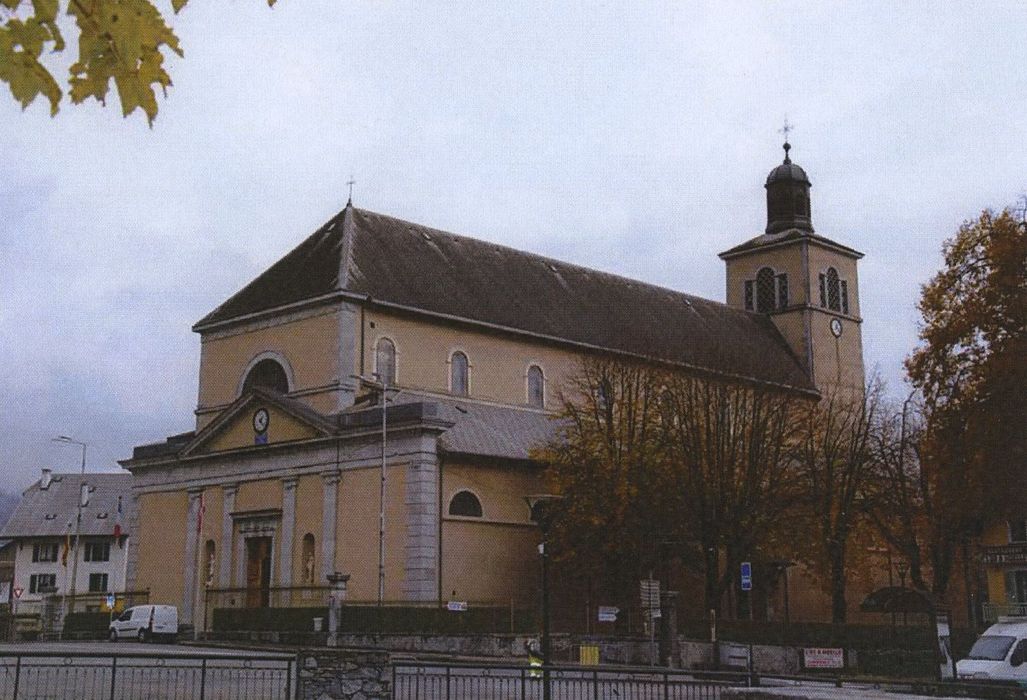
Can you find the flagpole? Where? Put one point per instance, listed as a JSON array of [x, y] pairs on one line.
[[78, 516]]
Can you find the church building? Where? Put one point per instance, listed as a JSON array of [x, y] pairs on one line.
[[293, 470]]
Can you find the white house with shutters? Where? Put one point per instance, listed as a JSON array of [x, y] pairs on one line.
[[42, 531]]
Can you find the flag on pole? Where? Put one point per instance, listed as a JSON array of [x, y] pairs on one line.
[[67, 547], [117, 523]]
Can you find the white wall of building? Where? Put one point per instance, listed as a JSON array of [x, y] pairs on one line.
[[24, 568]]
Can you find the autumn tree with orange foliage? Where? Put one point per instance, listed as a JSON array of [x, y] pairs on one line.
[[971, 368]]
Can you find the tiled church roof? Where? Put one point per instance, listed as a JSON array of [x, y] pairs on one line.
[[400, 264]]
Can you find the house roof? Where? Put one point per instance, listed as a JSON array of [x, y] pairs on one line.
[[48, 512], [382, 260]]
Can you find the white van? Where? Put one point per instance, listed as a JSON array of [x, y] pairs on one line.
[[146, 622], [999, 654]]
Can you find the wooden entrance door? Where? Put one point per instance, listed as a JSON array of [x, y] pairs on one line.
[[258, 572]]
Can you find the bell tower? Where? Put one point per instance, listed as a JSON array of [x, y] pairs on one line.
[[805, 282]]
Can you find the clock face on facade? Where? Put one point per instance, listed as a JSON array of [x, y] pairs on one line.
[[836, 327], [261, 420]]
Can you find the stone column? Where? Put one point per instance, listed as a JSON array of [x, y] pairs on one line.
[[329, 518], [670, 645], [335, 597], [421, 548], [228, 492], [191, 525], [288, 528]]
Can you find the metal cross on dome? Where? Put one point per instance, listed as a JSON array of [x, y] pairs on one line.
[[351, 182], [786, 129]]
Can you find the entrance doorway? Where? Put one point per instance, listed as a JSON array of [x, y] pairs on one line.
[[258, 572]]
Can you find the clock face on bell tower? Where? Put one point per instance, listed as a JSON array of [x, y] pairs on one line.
[[805, 282]]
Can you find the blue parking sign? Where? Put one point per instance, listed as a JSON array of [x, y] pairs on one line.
[[746, 576]]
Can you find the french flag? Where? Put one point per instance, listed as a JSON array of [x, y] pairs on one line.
[[117, 523]]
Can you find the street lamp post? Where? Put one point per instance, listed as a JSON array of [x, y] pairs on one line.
[[78, 517], [541, 512], [381, 383]]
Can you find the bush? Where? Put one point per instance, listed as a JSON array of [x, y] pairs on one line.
[[87, 624]]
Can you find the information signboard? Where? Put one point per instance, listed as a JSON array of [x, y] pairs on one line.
[[650, 593], [823, 658]]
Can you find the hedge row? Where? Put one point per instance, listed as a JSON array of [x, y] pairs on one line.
[[813, 634], [371, 619]]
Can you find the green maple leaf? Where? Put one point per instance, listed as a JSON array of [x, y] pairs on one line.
[[120, 41], [21, 44]]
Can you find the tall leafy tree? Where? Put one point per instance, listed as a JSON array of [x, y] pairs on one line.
[[732, 470], [607, 463], [970, 366], [654, 463], [123, 42]]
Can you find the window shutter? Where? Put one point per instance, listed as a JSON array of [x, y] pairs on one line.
[[845, 297], [749, 295], [823, 290], [782, 291], [1011, 586]]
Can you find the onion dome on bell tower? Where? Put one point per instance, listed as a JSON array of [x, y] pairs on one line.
[[788, 205]]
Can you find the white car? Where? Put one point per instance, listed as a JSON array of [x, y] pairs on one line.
[[146, 622], [999, 654]]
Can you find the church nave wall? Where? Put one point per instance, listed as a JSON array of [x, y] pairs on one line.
[[161, 542], [498, 363], [357, 531]]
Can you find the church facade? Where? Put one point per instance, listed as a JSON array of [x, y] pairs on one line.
[[297, 468]]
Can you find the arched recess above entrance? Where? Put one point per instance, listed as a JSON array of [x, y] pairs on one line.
[[267, 358]]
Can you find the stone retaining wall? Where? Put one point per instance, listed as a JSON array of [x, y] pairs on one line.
[[344, 674]]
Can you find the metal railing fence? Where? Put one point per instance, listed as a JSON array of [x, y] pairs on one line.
[[416, 680], [992, 611], [125, 676]]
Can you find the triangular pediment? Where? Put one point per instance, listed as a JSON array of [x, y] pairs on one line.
[[257, 419]]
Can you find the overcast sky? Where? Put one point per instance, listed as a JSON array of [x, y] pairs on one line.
[[631, 140]]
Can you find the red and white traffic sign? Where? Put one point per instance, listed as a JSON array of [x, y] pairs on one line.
[[18, 591]]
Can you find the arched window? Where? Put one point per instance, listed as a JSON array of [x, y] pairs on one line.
[[834, 301], [267, 374], [385, 361], [209, 563], [458, 374], [765, 293], [768, 292], [308, 559], [834, 291], [465, 503], [536, 387]]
